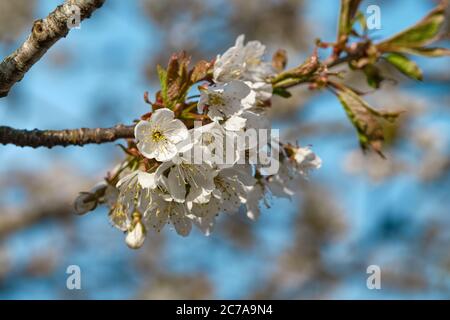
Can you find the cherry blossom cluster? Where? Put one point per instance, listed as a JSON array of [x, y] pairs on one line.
[[184, 173]]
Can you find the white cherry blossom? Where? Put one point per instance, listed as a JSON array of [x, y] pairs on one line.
[[230, 187], [229, 195], [163, 211], [198, 174], [245, 62], [224, 100], [215, 144], [306, 160], [242, 62], [158, 137], [186, 182], [131, 193]]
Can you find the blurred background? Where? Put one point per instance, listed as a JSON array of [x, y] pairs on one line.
[[354, 212]]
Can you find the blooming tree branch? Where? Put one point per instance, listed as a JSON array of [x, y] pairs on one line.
[[192, 157], [44, 34], [50, 138]]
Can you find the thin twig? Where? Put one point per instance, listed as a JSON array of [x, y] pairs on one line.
[[76, 137]]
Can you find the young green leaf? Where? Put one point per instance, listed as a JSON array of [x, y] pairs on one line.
[[298, 74], [361, 19], [178, 81], [200, 71], [282, 92], [427, 52], [364, 118], [162, 74], [418, 35], [348, 11], [404, 65]]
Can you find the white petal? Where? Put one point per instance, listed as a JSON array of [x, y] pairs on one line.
[[307, 159], [216, 193], [235, 123], [158, 216], [148, 148], [250, 100], [145, 201], [119, 218], [198, 195], [111, 194], [147, 180], [142, 130], [175, 131], [255, 120], [184, 146], [165, 151], [205, 224], [240, 41], [177, 187], [180, 221], [243, 173], [203, 101], [254, 50], [215, 114], [237, 89], [126, 179], [161, 115], [262, 89], [162, 168]]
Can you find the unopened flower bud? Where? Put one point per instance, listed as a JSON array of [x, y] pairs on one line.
[[136, 236], [85, 202]]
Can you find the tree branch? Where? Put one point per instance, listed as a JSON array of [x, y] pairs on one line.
[[44, 34], [13, 222], [50, 138]]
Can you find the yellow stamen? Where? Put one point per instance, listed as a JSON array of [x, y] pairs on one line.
[[215, 99], [157, 136]]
